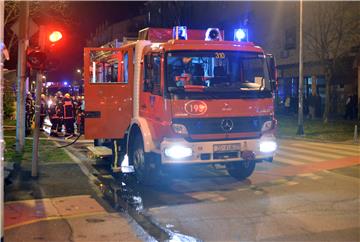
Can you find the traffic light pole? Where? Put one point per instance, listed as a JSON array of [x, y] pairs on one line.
[[39, 74], [2, 143], [21, 70], [35, 153]]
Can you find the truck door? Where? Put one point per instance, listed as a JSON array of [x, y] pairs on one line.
[[108, 84], [152, 105]]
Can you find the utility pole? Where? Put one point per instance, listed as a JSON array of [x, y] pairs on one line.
[[358, 66], [2, 143], [39, 74], [21, 70], [300, 130]]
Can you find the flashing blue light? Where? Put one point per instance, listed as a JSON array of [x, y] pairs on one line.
[[65, 83], [241, 34], [180, 32]]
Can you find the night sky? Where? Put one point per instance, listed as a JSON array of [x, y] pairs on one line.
[[87, 17]]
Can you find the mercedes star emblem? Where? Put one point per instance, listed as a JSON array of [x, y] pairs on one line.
[[227, 125]]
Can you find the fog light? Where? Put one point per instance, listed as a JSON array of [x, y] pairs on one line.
[[178, 152], [268, 146]]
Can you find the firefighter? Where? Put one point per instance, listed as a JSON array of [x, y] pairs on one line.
[[75, 105], [79, 115], [59, 104], [68, 115], [82, 115], [29, 111], [54, 116], [42, 111]]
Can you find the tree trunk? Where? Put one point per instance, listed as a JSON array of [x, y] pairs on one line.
[[327, 93]]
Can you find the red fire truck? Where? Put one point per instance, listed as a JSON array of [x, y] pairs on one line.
[[182, 97]]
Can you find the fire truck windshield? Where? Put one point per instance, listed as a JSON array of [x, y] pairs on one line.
[[217, 70]]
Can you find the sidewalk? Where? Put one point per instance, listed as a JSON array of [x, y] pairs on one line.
[[62, 205]]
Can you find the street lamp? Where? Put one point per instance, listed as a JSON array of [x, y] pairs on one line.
[[78, 71]]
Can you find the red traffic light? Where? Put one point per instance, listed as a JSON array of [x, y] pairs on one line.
[[36, 59], [55, 36]]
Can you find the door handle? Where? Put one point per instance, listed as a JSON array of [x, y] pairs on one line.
[[143, 106]]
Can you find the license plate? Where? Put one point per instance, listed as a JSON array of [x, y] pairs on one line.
[[227, 147]]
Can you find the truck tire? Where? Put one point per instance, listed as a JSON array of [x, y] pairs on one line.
[[242, 169], [146, 172]]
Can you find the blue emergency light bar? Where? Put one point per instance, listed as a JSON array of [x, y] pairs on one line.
[[180, 32], [241, 35]]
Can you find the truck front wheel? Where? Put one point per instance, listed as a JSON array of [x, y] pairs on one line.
[[144, 169], [242, 169]]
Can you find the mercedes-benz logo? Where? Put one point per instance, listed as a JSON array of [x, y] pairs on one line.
[[227, 125]]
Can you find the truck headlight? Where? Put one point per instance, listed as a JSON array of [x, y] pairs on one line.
[[267, 146], [178, 152], [179, 129]]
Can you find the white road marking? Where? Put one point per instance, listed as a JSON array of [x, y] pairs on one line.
[[312, 152], [339, 150], [280, 159], [342, 149]]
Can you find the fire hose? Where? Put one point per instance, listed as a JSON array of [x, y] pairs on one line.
[[73, 142]]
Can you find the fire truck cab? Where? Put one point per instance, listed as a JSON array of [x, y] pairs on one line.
[[182, 97]]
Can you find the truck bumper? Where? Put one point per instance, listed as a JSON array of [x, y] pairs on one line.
[[215, 151]]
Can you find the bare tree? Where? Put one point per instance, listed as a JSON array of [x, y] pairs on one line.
[[40, 11], [331, 29]]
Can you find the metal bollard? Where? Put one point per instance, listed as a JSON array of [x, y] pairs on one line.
[[356, 135]]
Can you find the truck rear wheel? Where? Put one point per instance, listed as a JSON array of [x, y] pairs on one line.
[[145, 169], [242, 169]]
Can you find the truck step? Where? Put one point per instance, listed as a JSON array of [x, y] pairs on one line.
[[99, 151]]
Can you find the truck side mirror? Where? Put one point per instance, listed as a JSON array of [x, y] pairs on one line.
[[149, 62], [270, 59], [147, 67], [148, 85], [148, 73]]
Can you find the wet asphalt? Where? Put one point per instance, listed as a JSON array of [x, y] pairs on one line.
[[206, 204]]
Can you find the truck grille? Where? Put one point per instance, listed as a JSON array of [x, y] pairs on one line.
[[222, 125]]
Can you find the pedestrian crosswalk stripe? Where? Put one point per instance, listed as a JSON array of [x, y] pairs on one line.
[[346, 147], [313, 152], [296, 156], [327, 149], [306, 174], [281, 159], [292, 183]]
